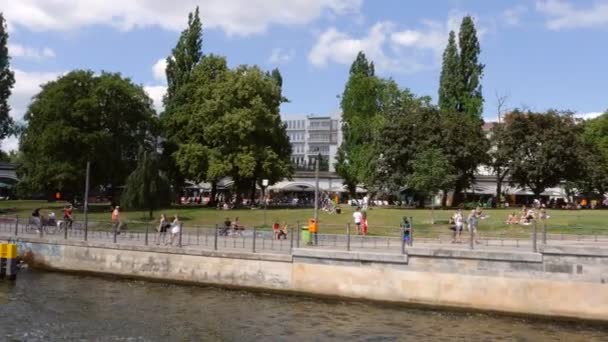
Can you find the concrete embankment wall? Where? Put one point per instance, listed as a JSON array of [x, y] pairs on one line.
[[558, 282]]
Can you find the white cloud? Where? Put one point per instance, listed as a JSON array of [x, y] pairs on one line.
[[589, 115], [235, 17], [21, 51], [158, 69], [281, 56], [407, 50], [156, 93], [27, 84], [512, 16], [563, 15]]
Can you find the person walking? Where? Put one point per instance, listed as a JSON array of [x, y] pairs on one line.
[[163, 226], [116, 220], [459, 223], [472, 222], [364, 222], [175, 229], [357, 217], [67, 216]]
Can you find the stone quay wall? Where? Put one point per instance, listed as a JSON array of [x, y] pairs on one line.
[[565, 282]]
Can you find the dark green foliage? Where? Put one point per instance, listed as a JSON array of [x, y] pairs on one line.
[[471, 70], [450, 82], [431, 172], [146, 187], [82, 117], [594, 157], [543, 148], [7, 81]]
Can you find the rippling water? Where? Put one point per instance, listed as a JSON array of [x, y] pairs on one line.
[[50, 306]]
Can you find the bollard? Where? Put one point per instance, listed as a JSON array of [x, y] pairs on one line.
[[534, 238], [16, 225], [411, 232], [215, 239], [298, 234], [348, 236], [65, 231], [253, 244], [146, 236], [544, 231], [8, 261]]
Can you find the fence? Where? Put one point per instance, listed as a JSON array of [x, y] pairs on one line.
[[342, 237]]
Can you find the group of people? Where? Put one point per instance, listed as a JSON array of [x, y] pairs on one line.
[[232, 227], [527, 215], [458, 221], [360, 219], [165, 226], [39, 220]]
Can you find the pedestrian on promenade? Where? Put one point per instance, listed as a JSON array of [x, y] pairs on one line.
[[357, 217], [226, 228], [364, 222], [459, 225], [283, 232], [163, 226], [175, 229], [472, 222], [116, 220]]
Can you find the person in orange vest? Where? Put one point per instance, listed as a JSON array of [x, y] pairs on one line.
[[364, 222], [313, 229], [116, 219]]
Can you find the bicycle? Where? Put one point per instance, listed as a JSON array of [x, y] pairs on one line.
[[48, 226]]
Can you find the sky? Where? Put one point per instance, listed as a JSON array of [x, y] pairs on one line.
[[538, 54]]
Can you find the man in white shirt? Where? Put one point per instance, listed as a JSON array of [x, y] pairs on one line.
[[357, 217]]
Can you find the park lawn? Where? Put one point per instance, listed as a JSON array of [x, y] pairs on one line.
[[382, 221]]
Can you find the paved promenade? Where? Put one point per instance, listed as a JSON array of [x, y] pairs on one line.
[[206, 239]]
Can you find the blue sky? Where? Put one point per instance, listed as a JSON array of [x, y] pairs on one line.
[[540, 54]]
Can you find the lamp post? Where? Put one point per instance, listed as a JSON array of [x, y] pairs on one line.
[[264, 185]]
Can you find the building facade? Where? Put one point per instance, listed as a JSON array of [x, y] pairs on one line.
[[311, 136]]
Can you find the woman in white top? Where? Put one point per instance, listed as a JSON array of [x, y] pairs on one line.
[[459, 222], [175, 228]]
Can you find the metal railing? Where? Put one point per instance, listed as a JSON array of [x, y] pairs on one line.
[[343, 237]]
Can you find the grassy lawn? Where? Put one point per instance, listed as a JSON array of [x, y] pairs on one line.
[[382, 221]]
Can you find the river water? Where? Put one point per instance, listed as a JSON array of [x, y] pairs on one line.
[[50, 306]]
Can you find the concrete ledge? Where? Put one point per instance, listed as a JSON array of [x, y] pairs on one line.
[[161, 249], [475, 254], [575, 250], [350, 256]]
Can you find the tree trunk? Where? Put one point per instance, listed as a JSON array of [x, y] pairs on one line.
[[444, 198], [151, 213], [253, 193], [212, 195]]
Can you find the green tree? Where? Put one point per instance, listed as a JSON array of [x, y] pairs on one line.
[[184, 58], [179, 100], [84, 117], [360, 121], [471, 70], [594, 157], [431, 172], [146, 187], [7, 81], [450, 81], [542, 148]]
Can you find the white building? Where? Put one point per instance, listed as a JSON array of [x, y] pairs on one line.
[[312, 135]]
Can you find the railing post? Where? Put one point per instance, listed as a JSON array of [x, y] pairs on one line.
[[198, 233], [544, 231], [348, 236], [181, 226], [403, 230], [253, 244], [471, 244], [65, 231], [116, 230], [534, 237], [298, 234], [411, 232], [215, 239], [16, 225], [147, 230], [41, 228], [291, 240]]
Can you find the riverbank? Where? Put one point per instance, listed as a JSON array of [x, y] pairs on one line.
[[560, 281]]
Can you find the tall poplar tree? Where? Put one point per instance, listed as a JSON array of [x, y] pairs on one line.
[[7, 81], [450, 82], [471, 70]]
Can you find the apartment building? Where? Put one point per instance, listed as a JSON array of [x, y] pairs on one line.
[[311, 136]]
